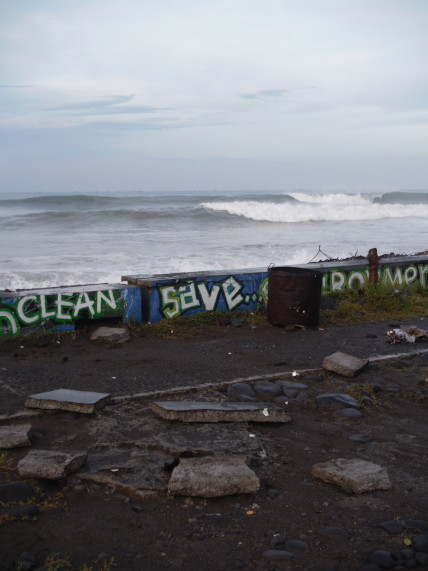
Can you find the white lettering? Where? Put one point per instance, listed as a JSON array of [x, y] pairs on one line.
[[20, 310], [84, 302], [209, 299]]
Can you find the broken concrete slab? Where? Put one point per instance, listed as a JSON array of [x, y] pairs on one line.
[[85, 402], [15, 436], [19, 415], [344, 364], [353, 475], [50, 464], [212, 477], [338, 399], [111, 335], [199, 411]]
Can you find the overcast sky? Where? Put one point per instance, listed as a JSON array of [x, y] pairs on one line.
[[213, 94]]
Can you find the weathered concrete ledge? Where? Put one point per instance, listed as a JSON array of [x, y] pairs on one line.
[[85, 402], [191, 411]]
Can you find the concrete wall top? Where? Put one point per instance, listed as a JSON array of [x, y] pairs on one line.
[[158, 279], [5, 294]]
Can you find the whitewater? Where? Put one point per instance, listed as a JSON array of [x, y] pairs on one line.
[[64, 239]]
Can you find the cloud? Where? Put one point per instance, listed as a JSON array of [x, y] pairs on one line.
[[107, 106], [264, 93]]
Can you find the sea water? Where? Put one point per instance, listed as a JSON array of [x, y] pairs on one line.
[[65, 239]]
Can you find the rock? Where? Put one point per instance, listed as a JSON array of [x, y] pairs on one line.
[[421, 558], [420, 543], [370, 567], [213, 476], [354, 475], [383, 558], [111, 335], [26, 561], [361, 438], [277, 555], [407, 553], [15, 436], [202, 411], [344, 364], [348, 413], [290, 388], [295, 544], [64, 399], [278, 539], [417, 523], [16, 492], [336, 399], [313, 379], [267, 388], [393, 527], [241, 392], [50, 464], [19, 511]]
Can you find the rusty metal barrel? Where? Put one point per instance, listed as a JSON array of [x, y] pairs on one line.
[[294, 296]]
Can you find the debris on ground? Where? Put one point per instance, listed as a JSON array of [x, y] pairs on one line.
[[406, 335]]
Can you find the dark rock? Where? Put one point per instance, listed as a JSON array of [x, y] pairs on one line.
[[276, 554], [393, 527], [296, 544], [411, 564], [267, 388], [420, 543], [407, 553], [348, 413], [15, 492], [239, 390], [421, 558], [20, 511], [370, 567], [383, 558], [361, 438], [417, 523], [336, 399], [278, 540], [26, 561]]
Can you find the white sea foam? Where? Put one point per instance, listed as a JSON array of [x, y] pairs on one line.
[[319, 212], [332, 198]]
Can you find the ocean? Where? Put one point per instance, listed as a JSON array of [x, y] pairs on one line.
[[66, 239]]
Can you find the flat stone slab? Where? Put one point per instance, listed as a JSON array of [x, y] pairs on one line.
[[15, 436], [200, 411], [50, 464], [344, 364], [354, 476], [111, 335], [65, 399], [213, 476]]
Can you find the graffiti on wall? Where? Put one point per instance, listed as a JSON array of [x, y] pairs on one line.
[[63, 308], [389, 275], [227, 294]]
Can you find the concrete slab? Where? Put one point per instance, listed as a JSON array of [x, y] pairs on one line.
[[50, 464], [64, 399], [213, 476], [198, 411], [344, 364], [15, 436], [111, 335], [354, 475]]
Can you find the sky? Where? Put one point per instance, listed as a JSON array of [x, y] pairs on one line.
[[213, 94]]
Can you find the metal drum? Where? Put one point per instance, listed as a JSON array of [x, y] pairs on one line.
[[294, 296]]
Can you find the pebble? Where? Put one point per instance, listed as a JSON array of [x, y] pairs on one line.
[[296, 544], [393, 527], [336, 399], [278, 540], [16, 492], [383, 558], [241, 392], [420, 543], [267, 388], [276, 554], [422, 558]]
